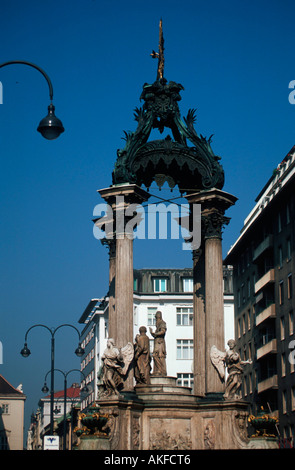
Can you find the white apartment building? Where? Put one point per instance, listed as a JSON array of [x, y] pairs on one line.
[[167, 290]]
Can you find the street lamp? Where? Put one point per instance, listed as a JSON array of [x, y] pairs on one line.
[[50, 126], [25, 352], [46, 390]]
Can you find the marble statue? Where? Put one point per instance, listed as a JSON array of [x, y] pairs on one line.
[[231, 360], [159, 352], [142, 357]]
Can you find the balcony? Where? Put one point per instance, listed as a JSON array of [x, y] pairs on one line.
[[268, 384], [267, 313], [268, 277], [262, 247], [268, 348]]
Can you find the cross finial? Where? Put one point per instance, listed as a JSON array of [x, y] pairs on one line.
[[160, 55]]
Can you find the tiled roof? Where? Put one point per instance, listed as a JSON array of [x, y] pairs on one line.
[[6, 389], [72, 392]]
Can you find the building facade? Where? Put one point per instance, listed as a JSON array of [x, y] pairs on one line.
[[12, 402], [40, 421], [263, 262], [167, 290]]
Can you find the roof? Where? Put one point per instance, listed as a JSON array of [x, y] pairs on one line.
[[72, 392], [89, 310], [6, 389]]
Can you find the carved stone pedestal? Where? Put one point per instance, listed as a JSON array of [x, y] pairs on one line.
[[163, 416]]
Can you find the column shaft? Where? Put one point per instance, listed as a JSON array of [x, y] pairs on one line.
[[124, 291], [199, 323], [112, 276], [214, 330]]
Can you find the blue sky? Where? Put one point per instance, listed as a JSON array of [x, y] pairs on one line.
[[235, 61]]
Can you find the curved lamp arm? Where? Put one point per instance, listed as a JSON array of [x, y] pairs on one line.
[[50, 126], [24, 62]]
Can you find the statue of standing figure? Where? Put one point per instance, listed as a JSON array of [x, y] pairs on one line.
[[142, 357], [159, 353]]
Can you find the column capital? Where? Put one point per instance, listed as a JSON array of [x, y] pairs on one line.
[[110, 243], [214, 203], [213, 223], [123, 201]]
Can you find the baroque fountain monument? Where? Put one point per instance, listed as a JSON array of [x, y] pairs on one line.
[[139, 406]]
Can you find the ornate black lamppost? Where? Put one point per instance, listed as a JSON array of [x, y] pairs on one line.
[[25, 352], [45, 389], [50, 127]]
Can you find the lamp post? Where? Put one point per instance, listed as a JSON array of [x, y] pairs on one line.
[[25, 352], [45, 389], [50, 126]]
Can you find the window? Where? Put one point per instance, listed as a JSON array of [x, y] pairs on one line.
[[282, 327], [184, 349], [249, 319], [291, 323], [151, 312], [160, 285], [244, 324], [243, 293], [185, 380], [284, 396], [250, 383], [290, 290], [187, 284], [281, 292], [4, 408], [184, 316], [283, 364], [288, 214], [239, 328], [135, 284], [57, 409], [289, 251], [279, 222], [280, 256]]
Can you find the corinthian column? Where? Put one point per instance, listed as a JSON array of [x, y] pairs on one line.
[[214, 203], [123, 200], [214, 221]]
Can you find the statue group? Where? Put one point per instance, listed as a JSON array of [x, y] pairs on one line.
[[116, 362]]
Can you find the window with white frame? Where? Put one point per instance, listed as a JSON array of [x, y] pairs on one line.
[[160, 284], [184, 316], [151, 316], [4, 408], [184, 349], [187, 284], [185, 380]]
